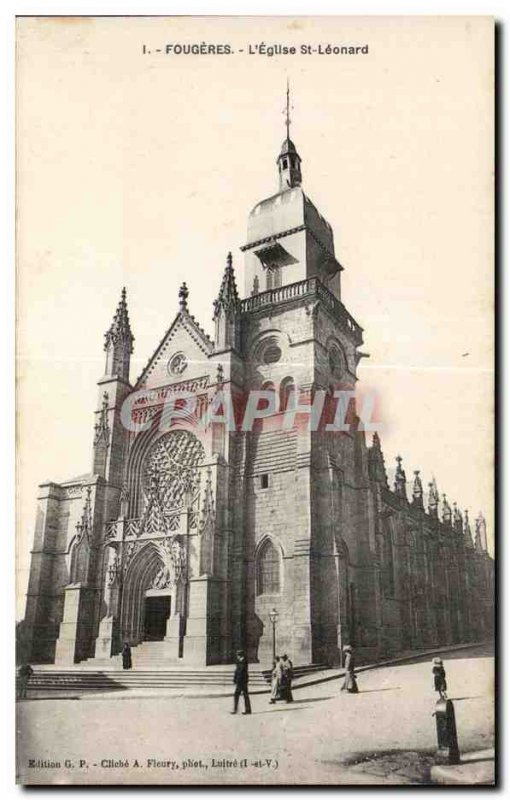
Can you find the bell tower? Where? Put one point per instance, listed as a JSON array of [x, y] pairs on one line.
[[288, 238]]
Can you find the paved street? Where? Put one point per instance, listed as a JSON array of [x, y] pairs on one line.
[[317, 739]]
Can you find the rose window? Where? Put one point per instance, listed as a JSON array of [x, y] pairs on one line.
[[171, 472]]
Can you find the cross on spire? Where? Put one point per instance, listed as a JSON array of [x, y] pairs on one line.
[[183, 297], [287, 111]]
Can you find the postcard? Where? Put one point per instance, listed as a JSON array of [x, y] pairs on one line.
[[255, 391]]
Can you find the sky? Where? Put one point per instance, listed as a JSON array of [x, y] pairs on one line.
[[140, 169]]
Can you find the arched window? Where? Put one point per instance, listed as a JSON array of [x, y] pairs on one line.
[[287, 394], [273, 277], [80, 555], [268, 569]]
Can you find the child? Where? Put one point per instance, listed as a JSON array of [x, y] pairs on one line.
[[439, 677]]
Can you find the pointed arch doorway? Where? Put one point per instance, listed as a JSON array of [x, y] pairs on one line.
[[151, 599], [157, 608]]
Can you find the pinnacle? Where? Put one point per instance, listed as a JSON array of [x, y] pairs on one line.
[[228, 297], [120, 329]]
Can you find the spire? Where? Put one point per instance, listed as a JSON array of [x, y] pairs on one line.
[[119, 342], [446, 513], [228, 298], [120, 329], [400, 479], [287, 111], [226, 310], [468, 538], [289, 160], [481, 533], [417, 490], [457, 519], [376, 466], [433, 501]]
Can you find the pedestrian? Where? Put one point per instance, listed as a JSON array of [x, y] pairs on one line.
[[349, 685], [439, 674], [286, 679], [241, 683], [126, 656], [25, 672], [276, 679]]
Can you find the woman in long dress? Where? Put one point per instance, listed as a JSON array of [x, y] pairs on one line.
[[286, 679], [276, 677], [349, 685], [126, 656]]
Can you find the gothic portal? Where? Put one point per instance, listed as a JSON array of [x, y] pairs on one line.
[[192, 526]]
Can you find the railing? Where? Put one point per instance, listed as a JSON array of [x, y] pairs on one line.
[[310, 287]]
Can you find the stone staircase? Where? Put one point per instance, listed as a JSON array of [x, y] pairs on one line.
[[150, 672]]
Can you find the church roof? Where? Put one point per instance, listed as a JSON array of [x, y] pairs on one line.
[[294, 196], [288, 146], [78, 479]]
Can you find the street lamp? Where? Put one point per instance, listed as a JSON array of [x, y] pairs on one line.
[[273, 616]]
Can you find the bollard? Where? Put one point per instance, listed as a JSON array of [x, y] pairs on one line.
[[447, 743]]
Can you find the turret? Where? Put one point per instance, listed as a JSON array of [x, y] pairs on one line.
[[457, 519], [446, 512], [227, 312], [433, 499], [289, 166], [417, 490], [119, 343]]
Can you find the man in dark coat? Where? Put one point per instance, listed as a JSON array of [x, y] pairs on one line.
[[126, 656], [25, 672], [241, 683]]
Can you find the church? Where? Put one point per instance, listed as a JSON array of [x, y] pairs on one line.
[[190, 538]]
